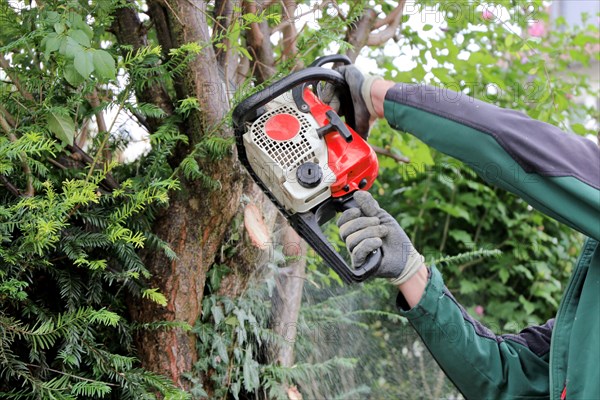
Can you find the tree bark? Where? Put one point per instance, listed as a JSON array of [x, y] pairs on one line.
[[290, 33], [197, 219], [194, 226], [359, 32], [259, 43]]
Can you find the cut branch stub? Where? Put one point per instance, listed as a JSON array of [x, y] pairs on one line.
[[256, 227]]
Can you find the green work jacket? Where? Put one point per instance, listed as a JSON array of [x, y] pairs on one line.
[[558, 174]]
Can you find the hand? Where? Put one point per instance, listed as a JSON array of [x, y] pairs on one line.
[[369, 227], [360, 91]]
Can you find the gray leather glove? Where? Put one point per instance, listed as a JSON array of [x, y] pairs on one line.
[[369, 227], [360, 91]]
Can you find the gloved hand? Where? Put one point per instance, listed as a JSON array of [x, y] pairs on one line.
[[360, 91], [369, 227]]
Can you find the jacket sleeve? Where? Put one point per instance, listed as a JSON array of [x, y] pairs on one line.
[[555, 172], [481, 364]]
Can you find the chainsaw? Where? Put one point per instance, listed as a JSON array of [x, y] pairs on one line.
[[305, 158]]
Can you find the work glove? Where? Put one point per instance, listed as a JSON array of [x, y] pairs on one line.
[[360, 91], [369, 227]]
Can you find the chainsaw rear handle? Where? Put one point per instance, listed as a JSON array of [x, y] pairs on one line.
[[247, 110], [308, 226]]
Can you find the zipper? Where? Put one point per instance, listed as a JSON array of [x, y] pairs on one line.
[[575, 277], [557, 323]]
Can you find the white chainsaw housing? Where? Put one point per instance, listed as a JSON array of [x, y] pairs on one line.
[[275, 161]]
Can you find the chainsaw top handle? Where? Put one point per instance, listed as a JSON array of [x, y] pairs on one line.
[[333, 58], [247, 109]]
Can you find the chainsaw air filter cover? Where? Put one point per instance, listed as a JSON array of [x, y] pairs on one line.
[[278, 143]]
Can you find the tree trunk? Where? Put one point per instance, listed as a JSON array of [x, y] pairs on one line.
[[194, 226], [197, 219]]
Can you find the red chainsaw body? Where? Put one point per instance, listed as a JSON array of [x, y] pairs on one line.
[[354, 163]]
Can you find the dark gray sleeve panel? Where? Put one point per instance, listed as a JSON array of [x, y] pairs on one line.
[[536, 338], [536, 146]]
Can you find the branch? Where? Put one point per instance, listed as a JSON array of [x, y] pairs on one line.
[[222, 15], [388, 19], [242, 70], [82, 135], [447, 223], [388, 153], [290, 48], [95, 103], [56, 164], [160, 19], [11, 188], [392, 20], [9, 118], [317, 7], [15, 79], [468, 264], [129, 30], [29, 191], [141, 119], [258, 39], [78, 155], [81, 378], [7, 128], [359, 32]]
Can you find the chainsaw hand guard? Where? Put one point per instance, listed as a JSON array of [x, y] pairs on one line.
[[306, 159]]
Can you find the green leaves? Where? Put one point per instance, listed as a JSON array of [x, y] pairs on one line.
[[104, 64], [155, 296], [72, 76], [73, 40], [61, 126], [70, 48], [84, 63], [52, 43], [251, 369], [68, 252], [80, 37]]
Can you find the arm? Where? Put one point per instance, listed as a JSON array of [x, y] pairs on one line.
[[555, 172], [481, 364], [413, 288]]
